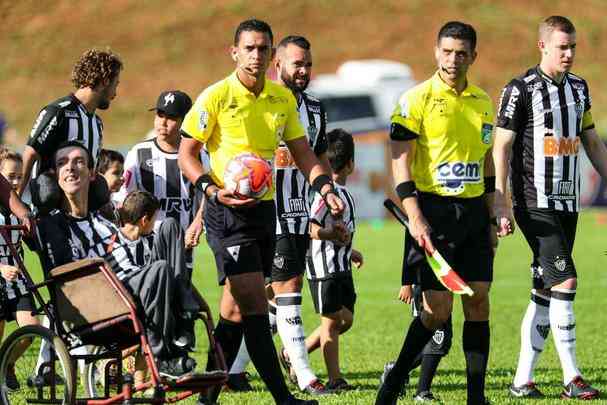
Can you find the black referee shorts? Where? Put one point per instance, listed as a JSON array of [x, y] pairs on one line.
[[550, 235], [332, 294], [290, 257], [242, 239], [460, 232]]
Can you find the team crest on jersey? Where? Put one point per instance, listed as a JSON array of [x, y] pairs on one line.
[[203, 121], [486, 133], [533, 87], [149, 163], [71, 114]]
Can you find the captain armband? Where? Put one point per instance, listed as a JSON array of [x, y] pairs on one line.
[[400, 133]]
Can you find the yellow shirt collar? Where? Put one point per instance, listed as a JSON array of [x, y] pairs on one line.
[[470, 90], [241, 90]]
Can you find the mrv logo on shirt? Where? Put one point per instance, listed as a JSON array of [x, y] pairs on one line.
[[453, 175]]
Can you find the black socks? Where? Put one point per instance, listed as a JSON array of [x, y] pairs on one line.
[[475, 342]]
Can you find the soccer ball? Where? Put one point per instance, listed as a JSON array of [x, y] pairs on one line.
[[248, 176]]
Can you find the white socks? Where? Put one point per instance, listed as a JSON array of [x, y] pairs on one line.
[[290, 329], [534, 331], [562, 324]]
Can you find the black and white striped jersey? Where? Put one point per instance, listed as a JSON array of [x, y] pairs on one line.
[[61, 238], [64, 120], [548, 119], [127, 257], [13, 289], [326, 259], [292, 188], [149, 168]]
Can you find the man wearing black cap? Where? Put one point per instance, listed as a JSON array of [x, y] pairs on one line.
[[152, 166]]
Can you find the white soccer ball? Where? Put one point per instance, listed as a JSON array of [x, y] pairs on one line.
[[248, 176]]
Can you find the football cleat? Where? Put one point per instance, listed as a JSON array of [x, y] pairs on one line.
[[579, 389], [425, 396], [528, 390]]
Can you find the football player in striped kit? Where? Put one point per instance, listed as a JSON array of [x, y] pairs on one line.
[[15, 300], [294, 67], [95, 76], [544, 117]]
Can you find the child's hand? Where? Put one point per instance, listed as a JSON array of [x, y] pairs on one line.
[[10, 273], [357, 258], [338, 233], [406, 294]]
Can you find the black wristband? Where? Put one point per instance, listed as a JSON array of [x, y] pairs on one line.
[[489, 184], [320, 181], [406, 189], [203, 182]]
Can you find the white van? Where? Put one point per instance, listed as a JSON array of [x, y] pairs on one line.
[[362, 94]]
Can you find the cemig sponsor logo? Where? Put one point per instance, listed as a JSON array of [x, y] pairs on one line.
[[561, 146], [453, 175]]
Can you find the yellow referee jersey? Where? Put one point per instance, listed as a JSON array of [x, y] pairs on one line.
[[230, 120], [454, 133]]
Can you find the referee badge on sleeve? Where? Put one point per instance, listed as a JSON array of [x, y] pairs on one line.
[[203, 120], [486, 133]]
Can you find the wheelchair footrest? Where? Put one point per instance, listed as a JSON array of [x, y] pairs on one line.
[[196, 381]]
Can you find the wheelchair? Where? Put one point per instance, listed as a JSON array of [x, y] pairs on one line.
[[88, 307]]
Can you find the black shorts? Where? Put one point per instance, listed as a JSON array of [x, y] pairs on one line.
[[332, 294], [242, 240], [550, 235], [10, 307], [460, 232], [290, 256]]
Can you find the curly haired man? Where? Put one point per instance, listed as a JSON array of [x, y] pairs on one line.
[[72, 118]]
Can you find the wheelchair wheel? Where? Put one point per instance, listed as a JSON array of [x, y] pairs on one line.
[[24, 379], [93, 375], [102, 373]]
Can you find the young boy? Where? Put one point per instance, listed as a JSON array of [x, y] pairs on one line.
[[15, 301], [111, 167], [329, 269], [152, 267]]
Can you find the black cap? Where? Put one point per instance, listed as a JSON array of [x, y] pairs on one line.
[[173, 103]]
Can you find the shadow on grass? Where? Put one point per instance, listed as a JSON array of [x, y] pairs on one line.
[[497, 378]]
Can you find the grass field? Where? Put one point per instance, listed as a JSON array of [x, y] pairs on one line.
[[381, 320]]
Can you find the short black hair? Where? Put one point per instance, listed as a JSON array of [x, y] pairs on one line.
[[136, 205], [253, 24], [458, 30], [106, 158], [298, 40], [341, 148], [69, 144]]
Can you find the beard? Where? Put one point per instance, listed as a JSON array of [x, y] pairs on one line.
[[104, 104], [290, 82]]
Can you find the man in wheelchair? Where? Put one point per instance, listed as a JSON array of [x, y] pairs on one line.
[[150, 266]]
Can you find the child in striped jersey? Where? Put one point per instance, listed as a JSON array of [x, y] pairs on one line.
[[151, 265], [15, 301], [111, 167], [329, 261]]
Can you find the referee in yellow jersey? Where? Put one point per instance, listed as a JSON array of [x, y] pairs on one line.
[[441, 138], [247, 113]]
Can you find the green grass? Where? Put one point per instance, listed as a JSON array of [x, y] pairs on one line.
[[381, 320]]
